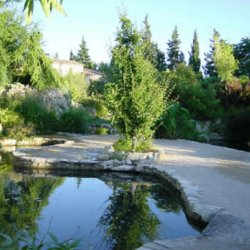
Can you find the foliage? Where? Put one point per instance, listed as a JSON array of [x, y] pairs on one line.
[[96, 88], [108, 69], [20, 205], [126, 145], [83, 56], [224, 60], [97, 103], [9, 118], [101, 131], [75, 121], [175, 123], [22, 58], [194, 59], [135, 99], [47, 6], [199, 98], [129, 203], [6, 163], [39, 67], [209, 68], [21, 131], [160, 60], [77, 85], [32, 110], [12, 244], [242, 54], [175, 56]]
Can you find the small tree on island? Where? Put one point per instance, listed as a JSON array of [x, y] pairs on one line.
[[135, 99]]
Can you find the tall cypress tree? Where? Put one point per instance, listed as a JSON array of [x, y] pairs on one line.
[[152, 53], [209, 68], [175, 56], [160, 60], [83, 55], [149, 46], [72, 57], [194, 59]]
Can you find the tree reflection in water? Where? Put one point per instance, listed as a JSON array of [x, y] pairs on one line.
[[128, 220], [22, 199]]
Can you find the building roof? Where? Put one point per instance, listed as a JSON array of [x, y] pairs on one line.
[[92, 72], [65, 61]]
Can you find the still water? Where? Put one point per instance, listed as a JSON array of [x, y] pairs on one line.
[[110, 211]]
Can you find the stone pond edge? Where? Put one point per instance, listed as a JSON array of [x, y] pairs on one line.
[[190, 194]]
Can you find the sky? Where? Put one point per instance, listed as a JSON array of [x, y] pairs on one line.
[[97, 21]]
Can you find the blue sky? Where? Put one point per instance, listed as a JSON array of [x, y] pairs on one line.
[[97, 21]]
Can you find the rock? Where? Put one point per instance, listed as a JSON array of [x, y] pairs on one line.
[[140, 156], [51, 99], [123, 168], [160, 155], [216, 136], [102, 157], [108, 149]]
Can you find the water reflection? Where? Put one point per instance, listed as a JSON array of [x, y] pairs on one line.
[[22, 198], [111, 211], [128, 220]]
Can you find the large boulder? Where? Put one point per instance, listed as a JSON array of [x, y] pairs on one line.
[[53, 100]]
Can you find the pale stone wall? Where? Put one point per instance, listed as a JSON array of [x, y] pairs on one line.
[[53, 100], [64, 66]]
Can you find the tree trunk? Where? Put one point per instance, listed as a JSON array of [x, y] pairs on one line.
[[134, 140]]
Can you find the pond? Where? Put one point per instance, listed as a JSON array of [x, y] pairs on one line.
[[109, 210], [240, 145]]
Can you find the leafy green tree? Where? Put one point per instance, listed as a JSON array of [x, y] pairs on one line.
[[194, 59], [197, 97], [175, 56], [38, 67], [135, 99], [22, 58], [209, 68], [224, 60], [242, 54]]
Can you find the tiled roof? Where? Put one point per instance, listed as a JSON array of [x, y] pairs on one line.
[[92, 72], [65, 61]]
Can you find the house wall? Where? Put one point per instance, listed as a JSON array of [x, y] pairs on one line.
[[64, 67]]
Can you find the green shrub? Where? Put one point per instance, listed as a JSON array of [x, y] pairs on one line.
[[101, 131], [35, 112], [9, 118], [126, 146], [21, 131], [98, 104], [77, 85], [175, 123], [76, 121], [200, 100], [12, 243], [96, 87]]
